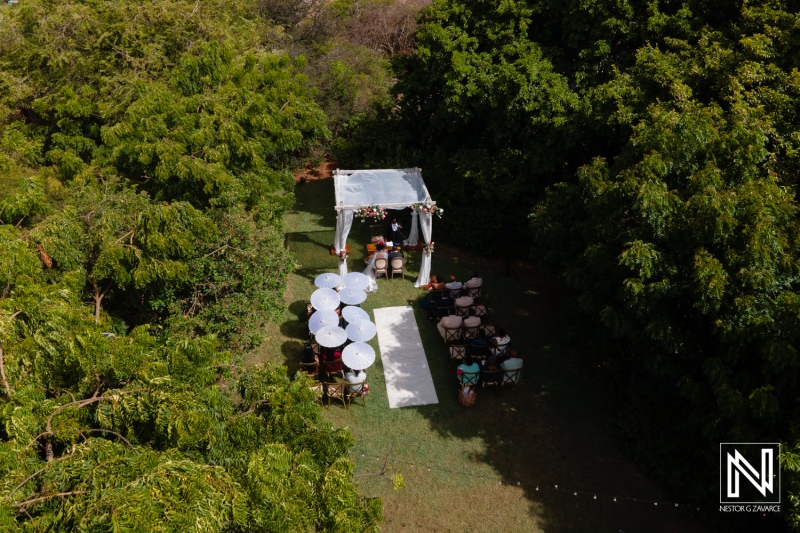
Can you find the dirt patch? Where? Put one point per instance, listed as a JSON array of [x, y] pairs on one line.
[[322, 171]]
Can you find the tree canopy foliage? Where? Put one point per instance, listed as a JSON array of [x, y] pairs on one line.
[[141, 250], [652, 150]]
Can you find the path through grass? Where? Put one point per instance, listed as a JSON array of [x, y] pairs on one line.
[[477, 469]]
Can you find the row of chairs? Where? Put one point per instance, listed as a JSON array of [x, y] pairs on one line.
[[459, 351], [474, 292], [492, 378], [462, 332], [342, 391], [478, 309], [383, 267]]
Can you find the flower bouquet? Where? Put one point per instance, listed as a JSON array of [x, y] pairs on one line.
[[342, 256], [370, 211], [425, 207], [428, 248]]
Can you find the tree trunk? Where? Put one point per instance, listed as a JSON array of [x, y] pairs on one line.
[[98, 299]]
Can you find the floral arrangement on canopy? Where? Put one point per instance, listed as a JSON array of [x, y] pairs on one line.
[[342, 256], [428, 248], [426, 207], [370, 211]]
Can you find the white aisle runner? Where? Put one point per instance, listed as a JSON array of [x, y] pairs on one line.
[[408, 377]]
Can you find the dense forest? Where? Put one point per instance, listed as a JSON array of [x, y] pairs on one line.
[[650, 149], [146, 151], [647, 153]]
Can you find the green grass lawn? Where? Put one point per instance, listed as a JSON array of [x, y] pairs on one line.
[[477, 469]]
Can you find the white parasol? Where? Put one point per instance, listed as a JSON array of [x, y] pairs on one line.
[[358, 355], [328, 280], [361, 330], [322, 318], [352, 296], [325, 299], [351, 314], [356, 280], [330, 336]]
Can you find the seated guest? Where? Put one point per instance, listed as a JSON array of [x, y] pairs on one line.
[[513, 362], [333, 361], [467, 366], [442, 303], [478, 347], [450, 321], [355, 376], [454, 286], [475, 281], [471, 320], [308, 354], [436, 283], [396, 252], [490, 363], [380, 252], [500, 340], [464, 301]]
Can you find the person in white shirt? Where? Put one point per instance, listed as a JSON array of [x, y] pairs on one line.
[[355, 376], [500, 340], [454, 286], [449, 321], [475, 281]]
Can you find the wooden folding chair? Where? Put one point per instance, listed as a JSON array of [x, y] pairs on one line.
[[469, 378], [458, 352], [471, 332], [312, 369], [452, 334], [435, 295], [463, 311], [445, 311], [357, 390], [491, 378], [489, 330], [501, 350], [480, 310], [337, 391], [475, 292], [511, 377]]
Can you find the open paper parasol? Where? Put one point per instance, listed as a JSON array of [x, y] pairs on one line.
[[351, 314], [358, 355], [328, 280], [330, 336], [361, 330], [325, 299], [352, 296], [321, 319], [356, 280]]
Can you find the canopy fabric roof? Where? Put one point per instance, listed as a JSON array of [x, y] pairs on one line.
[[389, 189], [393, 188]]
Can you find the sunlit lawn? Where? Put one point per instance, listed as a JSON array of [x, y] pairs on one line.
[[477, 469]]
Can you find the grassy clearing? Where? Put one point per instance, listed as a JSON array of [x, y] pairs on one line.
[[477, 469]]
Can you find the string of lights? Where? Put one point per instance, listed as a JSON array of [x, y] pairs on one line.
[[538, 487]]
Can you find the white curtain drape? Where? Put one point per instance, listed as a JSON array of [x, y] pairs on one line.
[[344, 221], [413, 235], [370, 273], [426, 221]]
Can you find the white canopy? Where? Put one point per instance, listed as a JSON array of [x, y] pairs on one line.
[[389, 189]]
